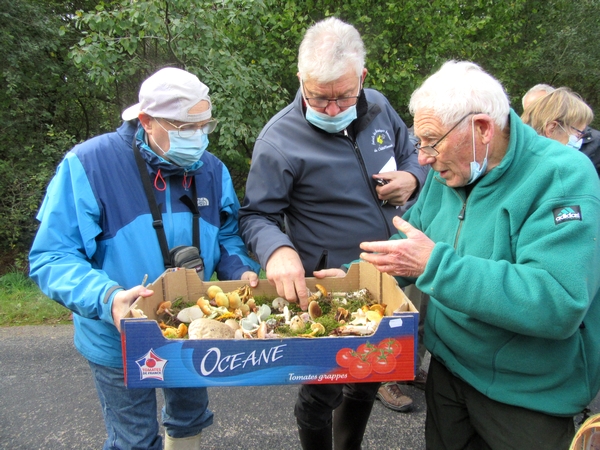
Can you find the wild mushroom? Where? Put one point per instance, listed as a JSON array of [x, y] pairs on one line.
[[212, 291], [314, 310], [188, 315], [164, 308], [204, 306], [317, 329], [341, 314], [296, 324], [234, 300], [279, 303], [321, 293], [263, 312], [221, 299]]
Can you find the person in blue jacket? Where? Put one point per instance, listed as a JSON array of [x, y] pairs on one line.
[[96, 243]]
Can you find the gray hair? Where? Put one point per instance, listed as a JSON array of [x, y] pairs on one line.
[[459, 88], [329, 49], [538, 88]]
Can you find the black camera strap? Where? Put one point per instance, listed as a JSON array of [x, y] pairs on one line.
[[157, 221]]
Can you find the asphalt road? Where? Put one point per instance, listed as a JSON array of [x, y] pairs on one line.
[[48, 401]]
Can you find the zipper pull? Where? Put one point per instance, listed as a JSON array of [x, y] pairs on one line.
[[461, 214]]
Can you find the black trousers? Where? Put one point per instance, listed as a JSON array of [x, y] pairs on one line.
[[316, 402], [461, 418]]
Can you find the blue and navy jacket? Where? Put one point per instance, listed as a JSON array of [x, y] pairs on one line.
[[96, 231]]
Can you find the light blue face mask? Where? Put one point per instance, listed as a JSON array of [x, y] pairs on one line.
[[574, 142], [477, 170], [184, 152], [331, 124]]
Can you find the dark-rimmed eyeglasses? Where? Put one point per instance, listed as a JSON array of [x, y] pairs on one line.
[[430, 150], [341, 102], [580, 134], [187, 130]]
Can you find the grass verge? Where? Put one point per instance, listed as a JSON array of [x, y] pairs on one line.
[[22, 303]]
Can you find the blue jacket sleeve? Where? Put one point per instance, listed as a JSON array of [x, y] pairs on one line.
[[234, 259], [61, 255]]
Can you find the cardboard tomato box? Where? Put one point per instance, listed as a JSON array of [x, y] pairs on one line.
[[151, 360]]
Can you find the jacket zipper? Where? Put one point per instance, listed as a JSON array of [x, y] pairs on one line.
[[461, 217], [366, 177]]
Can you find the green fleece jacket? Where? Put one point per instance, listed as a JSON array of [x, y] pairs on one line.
[[514, 277]]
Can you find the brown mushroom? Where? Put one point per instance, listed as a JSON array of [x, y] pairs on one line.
[[314, 310], [164, 308]]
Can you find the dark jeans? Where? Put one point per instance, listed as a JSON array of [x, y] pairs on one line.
[[461, 418], [316, 402]]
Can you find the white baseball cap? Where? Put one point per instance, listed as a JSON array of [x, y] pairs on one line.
[[170, 93]]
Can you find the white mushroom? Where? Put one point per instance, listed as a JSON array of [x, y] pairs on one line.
[[263, 312], [297, 324], [190, 314], [279, 303]]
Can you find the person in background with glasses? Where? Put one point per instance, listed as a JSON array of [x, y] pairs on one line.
[[313, 195], [562, 115], [96, 243], [504, 238]]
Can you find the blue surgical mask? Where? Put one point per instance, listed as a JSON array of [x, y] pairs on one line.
[[184, 152], [331, 124], [574, 142], [477, 170]]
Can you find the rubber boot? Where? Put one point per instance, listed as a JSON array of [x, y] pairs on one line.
[[350, 422], [320, 439], [186, 443]]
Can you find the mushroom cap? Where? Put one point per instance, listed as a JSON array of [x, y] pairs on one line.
[[163, 307], [318, 328], [297, 324], [322, 289], [190, 314], [264, 312], [234, 300], [279, 303], [213, 290], [221, 299], [314, 310]]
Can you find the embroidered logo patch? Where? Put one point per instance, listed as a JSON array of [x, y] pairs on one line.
[[381, 140], [203, 201], [566, 213]]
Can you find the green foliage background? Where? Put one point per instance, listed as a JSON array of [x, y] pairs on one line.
[[71, 67]]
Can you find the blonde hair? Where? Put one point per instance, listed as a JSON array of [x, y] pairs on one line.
[[561, 105]]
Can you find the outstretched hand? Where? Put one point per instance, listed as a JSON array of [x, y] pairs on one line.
[[403, 257], [285, 271]]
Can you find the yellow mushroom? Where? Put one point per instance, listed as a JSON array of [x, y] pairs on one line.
[[212, 291], [221, 299], [204, 306], [234, 300]]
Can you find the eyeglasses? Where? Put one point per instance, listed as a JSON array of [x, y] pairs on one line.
[[187, 130], [430, 150], [578, 133], [341, 102]]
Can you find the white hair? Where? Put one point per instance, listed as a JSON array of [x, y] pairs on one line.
[[546, 88], [460, 88], [329, 49]]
